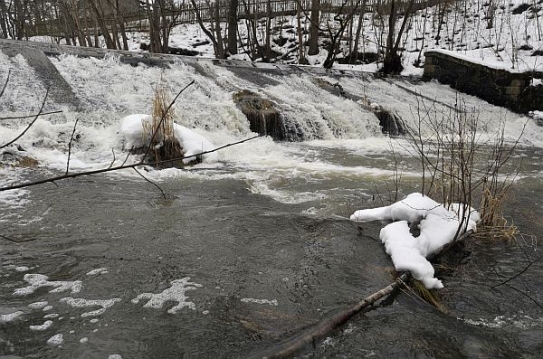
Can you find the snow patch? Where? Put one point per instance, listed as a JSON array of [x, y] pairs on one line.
[[438, 226], [176, 293]]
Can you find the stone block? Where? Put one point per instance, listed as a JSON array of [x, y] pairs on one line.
[[518, 83], [513, 91], [429, 69]]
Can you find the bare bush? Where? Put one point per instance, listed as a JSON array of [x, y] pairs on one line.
[[462, 163]]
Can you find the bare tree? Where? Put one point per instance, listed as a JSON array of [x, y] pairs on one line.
[[392, 62], [218, 46], [100, 16], [336, 34]]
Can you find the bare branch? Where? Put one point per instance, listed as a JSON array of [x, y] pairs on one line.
[[31, 123], [114, 158], [5, 84], [29, 116], [516, 275], [151, 182], [70, 147]]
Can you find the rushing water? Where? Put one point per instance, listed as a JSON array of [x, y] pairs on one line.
[[242, 253]]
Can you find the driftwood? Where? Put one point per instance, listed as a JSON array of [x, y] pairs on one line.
[[326, 326], [323, 329]]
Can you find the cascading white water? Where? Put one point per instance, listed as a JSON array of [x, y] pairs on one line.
[[343, 140]]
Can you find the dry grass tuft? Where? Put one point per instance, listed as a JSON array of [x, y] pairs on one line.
[[428, 295], [163, 145], [493, 225]]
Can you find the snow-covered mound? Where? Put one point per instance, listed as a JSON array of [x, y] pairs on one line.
[[132, 127], [437, 228]]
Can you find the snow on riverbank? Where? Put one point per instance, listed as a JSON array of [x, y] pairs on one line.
[[438, 226]]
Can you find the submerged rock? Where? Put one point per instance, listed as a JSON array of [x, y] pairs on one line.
[[262, 114], [391, 124], [16, 159]]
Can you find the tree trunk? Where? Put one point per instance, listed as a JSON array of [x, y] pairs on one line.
[[20, 6], [220, 45], [267, 50], [301, 57], [4, 19], [314, 28], [154, 26], [233, 27], [359, 30]]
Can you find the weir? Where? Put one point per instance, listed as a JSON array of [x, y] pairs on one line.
[[295, 117], [309, 103]]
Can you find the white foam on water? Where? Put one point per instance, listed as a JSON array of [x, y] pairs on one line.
[[50, 316], [41, 327], [83, 340], [4, 318], [289, 197], [260, 301], [176, 293], [38, 305], [110, 90], [519, 321], [14, 198], [83, 303], [114, 356], [21, 269], [98, 271], [39, 280], [56, 340]]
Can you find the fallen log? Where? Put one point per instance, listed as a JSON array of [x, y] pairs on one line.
[[323, 329]]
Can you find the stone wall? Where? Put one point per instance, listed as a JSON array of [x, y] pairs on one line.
[[497, 86]]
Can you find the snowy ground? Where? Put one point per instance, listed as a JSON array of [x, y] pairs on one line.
[[506, 34]]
